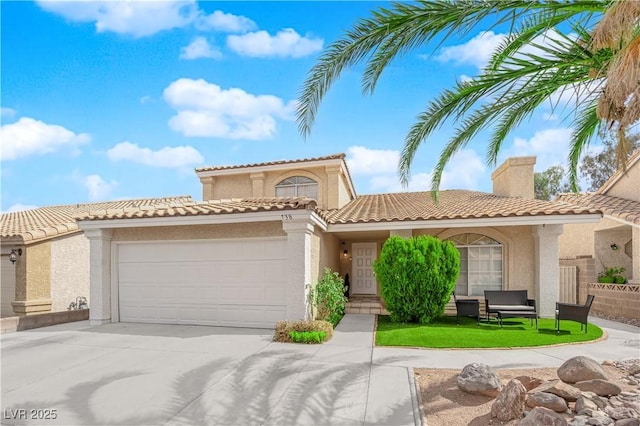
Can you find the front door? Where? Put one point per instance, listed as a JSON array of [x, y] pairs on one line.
[[364, 280]]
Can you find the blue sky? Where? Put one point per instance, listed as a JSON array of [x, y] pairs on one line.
[[112, 100]]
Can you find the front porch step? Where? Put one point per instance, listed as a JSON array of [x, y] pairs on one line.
[[365, 305]]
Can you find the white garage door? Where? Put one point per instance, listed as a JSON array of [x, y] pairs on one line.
[[7, 287], [237, 283]]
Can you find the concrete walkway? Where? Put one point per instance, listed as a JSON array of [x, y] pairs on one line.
[[138, 374]]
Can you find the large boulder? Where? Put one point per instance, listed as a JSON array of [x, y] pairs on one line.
[[541, 416], [547, 400], [599, 387], [580, 368], [479, 379], [510, 402], [559, 388]]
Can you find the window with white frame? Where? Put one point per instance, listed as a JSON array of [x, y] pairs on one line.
[[297, 186], [480, 264]]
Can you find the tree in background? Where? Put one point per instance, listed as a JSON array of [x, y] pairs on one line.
[[595, 58], [549, 183], [417, 276], [598, 167]]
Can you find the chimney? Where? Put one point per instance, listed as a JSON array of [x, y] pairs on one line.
[[514, 178]]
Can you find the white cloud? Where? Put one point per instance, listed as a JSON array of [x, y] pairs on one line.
[[7, 112], [31, 137], [146, 100], [98, 188], [225, 22], [200, 48], [463, 171], [18, 207], [137, 18], [550, 146], [207, 110], [286, 43], [169, 157], [364, 161], [476, 51]]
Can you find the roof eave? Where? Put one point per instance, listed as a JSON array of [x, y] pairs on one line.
[[557, 219]]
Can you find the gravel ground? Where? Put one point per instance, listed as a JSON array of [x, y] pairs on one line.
[[624, 320], [444, 404]]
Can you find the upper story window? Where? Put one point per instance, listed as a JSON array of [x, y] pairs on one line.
[[297, 186]]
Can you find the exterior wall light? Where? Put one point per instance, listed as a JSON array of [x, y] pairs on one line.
[[13, 256], [345, 253], [614, 246]]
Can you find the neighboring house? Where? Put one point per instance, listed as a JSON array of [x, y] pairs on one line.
[[52, 266], [614, 241], [246, 256]]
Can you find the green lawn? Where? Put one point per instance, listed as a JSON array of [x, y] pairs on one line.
[[516, 332]]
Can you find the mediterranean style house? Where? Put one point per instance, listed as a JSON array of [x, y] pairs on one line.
[[613, 241], [247, 255], [51, 256]]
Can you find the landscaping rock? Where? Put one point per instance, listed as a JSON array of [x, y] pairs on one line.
[[620, 413], [529, 382], [599, 387], [510, 402], [559, 388], [628, 422], [479, 379], [585, 405], [581, 368], [547, 400], [541, 416]]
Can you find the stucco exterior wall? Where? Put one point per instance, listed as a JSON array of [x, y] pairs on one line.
[[224, 187], [329, 255], [195, 232], [344, 195], [628, 185], [69, 270], [333, 190], [606, 257], [577, 240]]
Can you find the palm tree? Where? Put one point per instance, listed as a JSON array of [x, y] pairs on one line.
[[596, 58]]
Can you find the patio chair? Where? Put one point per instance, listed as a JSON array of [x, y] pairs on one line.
[[467, 308], [573, 312]]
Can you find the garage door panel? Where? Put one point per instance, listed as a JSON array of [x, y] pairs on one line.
[[228, 283]]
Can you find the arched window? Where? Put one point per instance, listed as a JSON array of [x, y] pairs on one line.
[[297, 186], [480, 264]]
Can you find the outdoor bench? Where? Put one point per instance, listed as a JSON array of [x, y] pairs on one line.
[[509, 303]]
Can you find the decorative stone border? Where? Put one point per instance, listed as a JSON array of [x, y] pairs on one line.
[[616, 299]]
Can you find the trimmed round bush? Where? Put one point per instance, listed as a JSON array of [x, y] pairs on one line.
[[417, 276]]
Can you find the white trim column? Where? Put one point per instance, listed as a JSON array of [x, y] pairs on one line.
[[299, 233], [547, 287], [99, 275]]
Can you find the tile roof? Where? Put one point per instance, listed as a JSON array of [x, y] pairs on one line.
[[340, 156], [621, 208], [452, 204], [202, 208], [52, 221]]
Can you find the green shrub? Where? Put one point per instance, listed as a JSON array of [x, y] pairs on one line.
[[328, 297], [417, 276], [307, 336], [284, 329]]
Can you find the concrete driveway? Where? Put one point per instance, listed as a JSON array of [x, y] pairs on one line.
[[134, 374]]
